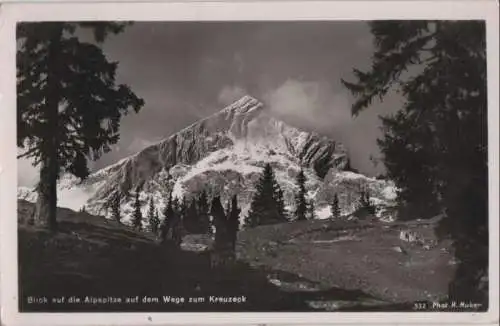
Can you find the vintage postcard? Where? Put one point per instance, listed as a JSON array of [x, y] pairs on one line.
[[288, 162]]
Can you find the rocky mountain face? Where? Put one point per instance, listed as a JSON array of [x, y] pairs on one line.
[[224, 154]]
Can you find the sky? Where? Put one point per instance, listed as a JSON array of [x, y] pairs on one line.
[[186, 71]]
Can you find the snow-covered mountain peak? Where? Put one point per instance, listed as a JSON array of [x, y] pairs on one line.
[[224, 154], [244, 105]]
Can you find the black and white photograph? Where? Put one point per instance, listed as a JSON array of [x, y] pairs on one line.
[[253, 166]]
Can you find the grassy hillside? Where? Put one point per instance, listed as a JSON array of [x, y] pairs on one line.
[[91, 256], [355, 255], [288, 267]]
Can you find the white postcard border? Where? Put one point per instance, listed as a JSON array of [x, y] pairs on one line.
[[10, 13]]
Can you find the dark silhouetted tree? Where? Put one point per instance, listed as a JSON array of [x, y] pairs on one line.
[[68, 103], [300, 198], [233, 221], [203, 213], [279, 199], [153, 216], [365, 202], [222, 242], [156, 223], [115, 207], [182, 207], [176, 205], [311, 209], [267, 206], [435, 148], [151, 208], [227, 209], [335, 207], [191, 220], [168, 221], [137, 216], [176, 227]]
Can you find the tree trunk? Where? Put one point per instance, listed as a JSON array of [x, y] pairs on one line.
[[46, 206]]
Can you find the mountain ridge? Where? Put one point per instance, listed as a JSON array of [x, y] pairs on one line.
[[225, 153]]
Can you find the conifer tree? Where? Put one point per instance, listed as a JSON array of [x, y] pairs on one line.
[[151, 208], [115, 207], [153, 216], [267, 206], [190, 221], [203, 213], [300, 198], [68, 103], [279, 198], [176, 206], [155, 223], [435, 148], [168, 220], [233, 221], [311, 210], [137, 217], [182, 210], [365, 202], [222, 240], [335, 207], [176, 223], [182, 213], [227, 209]]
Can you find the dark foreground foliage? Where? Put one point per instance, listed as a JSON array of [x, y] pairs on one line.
[[69, 104], [435, 147], [94, 257]]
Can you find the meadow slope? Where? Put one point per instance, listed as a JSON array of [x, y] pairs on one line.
[[313, 265]]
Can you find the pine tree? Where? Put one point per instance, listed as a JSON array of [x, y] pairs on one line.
[[137, 217], [203, 213], [115, 207], [190, 221], [335, 207], [168, 220], [182, 212], [152, 216], [182, 207], [222, 240], [227, 209], [365, 202], [151, 208], [68, 104], [311, 210], [435, 148], [176, 206], [267, 206], [176, 223], [300, 198], [233, 221], [281, 214], [155, 223]]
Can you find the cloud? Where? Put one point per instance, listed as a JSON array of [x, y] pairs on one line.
[[73, 198], [27, 174], [239, 62], [310, 104], [229, 94]]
